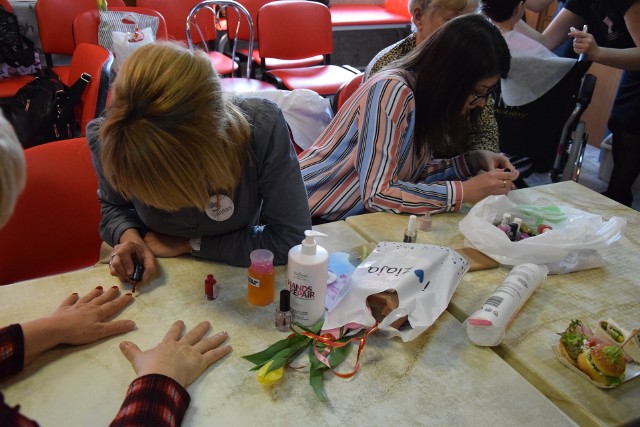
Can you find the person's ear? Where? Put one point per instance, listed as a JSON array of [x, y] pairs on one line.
[[416, 16]]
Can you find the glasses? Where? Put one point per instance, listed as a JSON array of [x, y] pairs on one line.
[[478, 98]]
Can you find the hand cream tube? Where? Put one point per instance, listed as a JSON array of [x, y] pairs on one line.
[[487, 326]]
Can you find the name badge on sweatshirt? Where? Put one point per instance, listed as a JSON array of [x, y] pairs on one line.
[[220, 208]]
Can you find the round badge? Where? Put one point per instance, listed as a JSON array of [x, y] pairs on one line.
[[220, 208]]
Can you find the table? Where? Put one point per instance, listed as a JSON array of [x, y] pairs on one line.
[[609, 292], [437, 379]]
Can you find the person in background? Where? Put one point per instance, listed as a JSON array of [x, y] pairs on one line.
[[426, 17], [157, 396], [612, 38], [377, 152], [182, 169]]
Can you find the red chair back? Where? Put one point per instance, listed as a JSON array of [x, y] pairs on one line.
[[294, 30], [345, 91], [6, 5], [85, 25], [96, 61], [54, 228], [55, 22]]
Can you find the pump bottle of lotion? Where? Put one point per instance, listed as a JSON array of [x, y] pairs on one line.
[[307, 274]]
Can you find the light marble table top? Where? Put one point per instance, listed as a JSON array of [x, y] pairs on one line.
[[609, 292], [437, 379]]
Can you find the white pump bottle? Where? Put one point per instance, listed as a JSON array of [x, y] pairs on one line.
[[307, 274]]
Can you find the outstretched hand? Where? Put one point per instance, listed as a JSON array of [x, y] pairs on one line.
[[181, 357], [78, 320]]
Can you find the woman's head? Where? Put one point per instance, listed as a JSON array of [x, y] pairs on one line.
[[12, 170], [169, 138], [429, 15], [454, 69]]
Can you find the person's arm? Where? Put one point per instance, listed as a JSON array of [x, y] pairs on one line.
[[556, 32], [388, 180], [158, 396], [624, 59], [284, 215]]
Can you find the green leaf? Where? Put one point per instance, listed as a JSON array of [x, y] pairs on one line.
[[316, 376], [264, 356], [339, 354]]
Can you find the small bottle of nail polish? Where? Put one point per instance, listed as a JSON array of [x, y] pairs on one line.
[[210, 287], [284, 316], [425, 222], [504, 225]]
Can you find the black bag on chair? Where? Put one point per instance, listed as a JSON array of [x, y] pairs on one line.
[[43, 110]]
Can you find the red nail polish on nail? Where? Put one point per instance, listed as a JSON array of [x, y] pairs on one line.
[[75, 293], [114, 287], [99, 287], [128, 293]]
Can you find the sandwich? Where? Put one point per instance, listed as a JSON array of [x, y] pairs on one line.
[[604, 363], [573, 341]]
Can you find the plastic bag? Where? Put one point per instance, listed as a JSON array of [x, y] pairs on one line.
[[571, 245], [424, 277]]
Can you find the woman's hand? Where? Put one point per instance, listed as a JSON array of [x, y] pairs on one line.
[[131, 250], [165, 246], [484, 160], [488, 183], [78, 320], [183, 358], [584, 42]]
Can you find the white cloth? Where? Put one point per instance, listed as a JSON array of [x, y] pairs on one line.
[[306, 112], [534, 70]]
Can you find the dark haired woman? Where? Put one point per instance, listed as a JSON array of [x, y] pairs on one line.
[[376, 154]]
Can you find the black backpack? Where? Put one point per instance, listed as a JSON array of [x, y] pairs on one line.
[[42, 110], [15, 49]]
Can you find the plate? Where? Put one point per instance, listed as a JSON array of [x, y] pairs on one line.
[[632, 371]]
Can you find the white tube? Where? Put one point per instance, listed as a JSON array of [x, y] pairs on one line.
[[487, 326]]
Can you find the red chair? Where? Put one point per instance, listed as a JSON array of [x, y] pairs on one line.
[[229, 8], [9, 86], [96, 61], [176, 12], [290, 30], [85, 25], [54, 228], [55, 23], [345, 91]]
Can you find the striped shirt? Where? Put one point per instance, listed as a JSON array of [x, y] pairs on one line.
[[365, 160]]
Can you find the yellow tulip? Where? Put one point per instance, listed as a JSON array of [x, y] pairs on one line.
[[270, 378]]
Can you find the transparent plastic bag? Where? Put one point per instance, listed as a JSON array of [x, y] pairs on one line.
[[571, 245]]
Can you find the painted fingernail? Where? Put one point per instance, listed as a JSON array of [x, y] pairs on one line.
[[99, 287], [129, 293], [75, 293], [114, 287]]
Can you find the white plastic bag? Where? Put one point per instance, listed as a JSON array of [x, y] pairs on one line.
[[424, 276], [571, 245]]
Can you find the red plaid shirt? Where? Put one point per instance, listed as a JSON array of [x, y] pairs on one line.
[[152, 400]]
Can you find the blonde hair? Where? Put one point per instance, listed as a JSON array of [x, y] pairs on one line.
[[169, 138], [12, 170]]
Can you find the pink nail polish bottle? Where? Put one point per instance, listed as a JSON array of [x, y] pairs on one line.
[[284, 317]]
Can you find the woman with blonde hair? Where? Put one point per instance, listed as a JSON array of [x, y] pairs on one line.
[[183, 169]]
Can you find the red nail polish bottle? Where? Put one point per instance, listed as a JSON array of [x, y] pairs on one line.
[[210, 287]]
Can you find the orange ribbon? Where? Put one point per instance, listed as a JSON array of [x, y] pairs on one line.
[[330, 342]]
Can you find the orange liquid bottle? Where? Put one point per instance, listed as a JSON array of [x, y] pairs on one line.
[[261, 278]]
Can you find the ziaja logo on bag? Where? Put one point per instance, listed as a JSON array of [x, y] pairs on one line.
[[301, 291], [394, 271]]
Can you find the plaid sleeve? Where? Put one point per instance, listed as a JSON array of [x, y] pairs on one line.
[[153, 400], [11, 351]]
